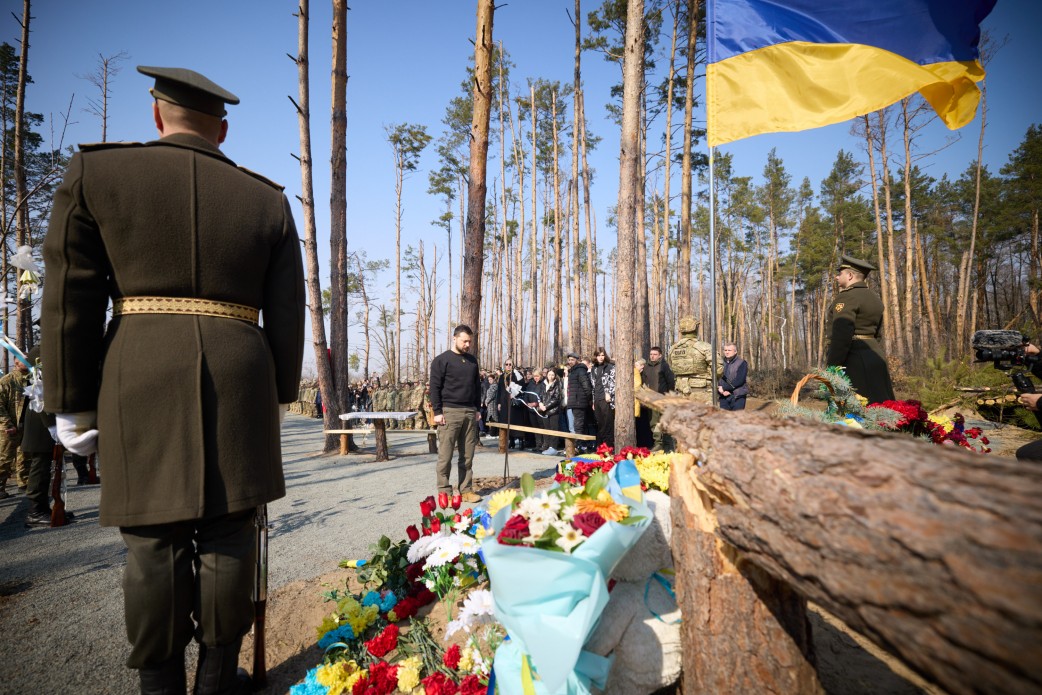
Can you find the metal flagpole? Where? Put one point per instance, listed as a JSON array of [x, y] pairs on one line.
[[713, 333]]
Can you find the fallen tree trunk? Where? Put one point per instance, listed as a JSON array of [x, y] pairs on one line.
[[933, 553]]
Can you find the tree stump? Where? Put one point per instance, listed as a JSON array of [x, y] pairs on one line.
[[743, 630], [933, 553], [380, 434]]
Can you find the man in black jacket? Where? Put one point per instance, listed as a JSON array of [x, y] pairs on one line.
[[580, 393], [658, 376], [455, 398]]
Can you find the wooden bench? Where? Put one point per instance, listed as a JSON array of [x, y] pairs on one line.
[[569, 437], [381, 436]]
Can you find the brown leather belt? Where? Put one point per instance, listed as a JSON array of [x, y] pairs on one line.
[[864, 336], [192, 306]]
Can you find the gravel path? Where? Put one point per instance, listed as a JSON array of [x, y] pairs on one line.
[[61, 604]]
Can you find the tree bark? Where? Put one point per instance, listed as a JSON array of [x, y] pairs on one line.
[[743, 630], [629, 180], [338, 210], [25, 306], [475, 237], [926, 551], [686, 174], [307, 200]]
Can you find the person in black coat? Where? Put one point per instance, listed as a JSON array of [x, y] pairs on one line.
[[603, 376], [38, 447], [509, 411], [580, 392], [550, 408], [733, 388]]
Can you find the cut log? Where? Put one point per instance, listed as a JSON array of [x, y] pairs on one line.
[[743, 631], [933, 553]]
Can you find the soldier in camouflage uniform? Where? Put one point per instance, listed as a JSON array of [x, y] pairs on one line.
[[419, 420], [12, 391], [690, 359], [428, 409]]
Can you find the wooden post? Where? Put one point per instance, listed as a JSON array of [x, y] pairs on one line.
[[380, 430], [503, 443], [344, 447], [569, 447], [432, 443]]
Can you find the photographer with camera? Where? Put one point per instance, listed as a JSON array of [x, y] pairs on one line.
[[1011, 351], [1032, 451]]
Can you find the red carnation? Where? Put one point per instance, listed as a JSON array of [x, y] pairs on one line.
[[515, 529], [413, 533], [452, 657], [587, 522], [439, 684], [472, 685], [360, 686], [383, 643], [605, 451], [383, 678]]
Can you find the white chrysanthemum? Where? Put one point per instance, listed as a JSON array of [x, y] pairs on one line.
[[570, 539], [450, 543], [454, 626], [564, 527], [529, 506], [549, 503], [537, 527], [468, 546], [479, 602], [439, 557], [542, 516], [568, 512], [424, 546]]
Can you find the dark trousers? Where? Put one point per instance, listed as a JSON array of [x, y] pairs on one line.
[[645, 438], [201, 569], [532, 420], [1030, 452], [605, 416], [732, 402], [579, 420], [38, 488], [549, 441]]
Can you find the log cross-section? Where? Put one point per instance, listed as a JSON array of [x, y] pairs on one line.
[[933, 553]]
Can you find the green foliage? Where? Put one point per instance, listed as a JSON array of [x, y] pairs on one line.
[[386, 567]]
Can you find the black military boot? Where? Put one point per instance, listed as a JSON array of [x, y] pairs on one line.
[[168, 679], [219, 673], [80, 464]]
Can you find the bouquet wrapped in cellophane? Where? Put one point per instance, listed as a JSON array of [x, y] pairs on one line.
[[549, 556]]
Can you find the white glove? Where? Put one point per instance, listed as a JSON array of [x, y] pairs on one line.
[[78, 432]]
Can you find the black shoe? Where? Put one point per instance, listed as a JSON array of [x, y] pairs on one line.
[[38, 520], [167, 679], [219, 672]]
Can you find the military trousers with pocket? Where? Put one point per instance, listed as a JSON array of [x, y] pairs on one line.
[[185, 579], [459, 435]]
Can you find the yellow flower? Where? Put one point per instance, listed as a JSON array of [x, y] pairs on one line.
[[943, 421], [339, 677], [409, 673], [465, 661], [654, 470], [605, 506], [330, 622], [503, 498]]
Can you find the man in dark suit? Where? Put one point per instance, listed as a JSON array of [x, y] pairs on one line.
[[184, 385], [856, 320]]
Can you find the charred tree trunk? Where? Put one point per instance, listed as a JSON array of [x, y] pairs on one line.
[[25, 306], [929, 552], [470, 313]]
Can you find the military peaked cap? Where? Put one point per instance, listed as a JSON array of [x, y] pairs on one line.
[[857, 264], [189, 89]]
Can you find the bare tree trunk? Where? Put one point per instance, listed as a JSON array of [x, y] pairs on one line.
[[909, 241], [640, 312], [558, 304], [629, 181], [338, 210], [961, 334], [577, 320], [25, 307], [888, 325], [538, 299], [307, 200], [895, 319], [475, 241], [684, 264], [591, 237]]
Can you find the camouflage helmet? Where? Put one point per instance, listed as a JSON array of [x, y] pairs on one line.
[[689, 324]]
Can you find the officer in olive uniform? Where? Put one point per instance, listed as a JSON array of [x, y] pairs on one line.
[[184, 385], [12, 392], [690, 359], [856, 320]]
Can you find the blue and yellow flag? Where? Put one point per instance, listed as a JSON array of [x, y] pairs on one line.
[[786, 65]]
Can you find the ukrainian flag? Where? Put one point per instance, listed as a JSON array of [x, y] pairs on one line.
[[786, 65]]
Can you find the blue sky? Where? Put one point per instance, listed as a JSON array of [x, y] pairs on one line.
[[406, 59]]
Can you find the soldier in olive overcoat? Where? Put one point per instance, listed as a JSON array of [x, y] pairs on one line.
[[856, 321], [184, 383]]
